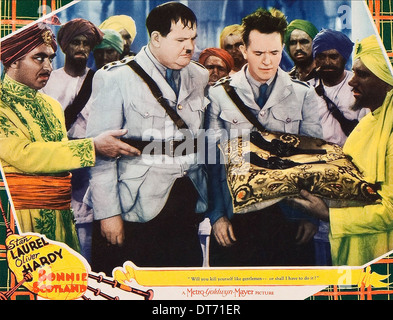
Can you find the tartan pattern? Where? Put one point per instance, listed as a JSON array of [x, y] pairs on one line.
[[382, 13], [7, 278], [383, 266], [16, 14]]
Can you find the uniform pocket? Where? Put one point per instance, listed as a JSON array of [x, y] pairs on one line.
[[130, 180], [290, 119]]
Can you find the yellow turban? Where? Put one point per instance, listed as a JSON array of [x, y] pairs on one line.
[[235, 29], [119, 23], [370, 53]]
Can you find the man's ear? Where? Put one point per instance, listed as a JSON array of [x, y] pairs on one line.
[[14, 65], [12, 68], [243, 50], [155, 39]]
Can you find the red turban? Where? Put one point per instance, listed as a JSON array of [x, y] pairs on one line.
[[21, 43], [217, 52], [76, 27]]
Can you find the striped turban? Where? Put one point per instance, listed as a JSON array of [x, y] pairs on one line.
[[221, 53], [328, 39], [370, 53], [21, 43], [77, 27]]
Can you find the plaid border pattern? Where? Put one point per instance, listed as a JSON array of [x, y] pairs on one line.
[[383, 266], [382, 13], [17, 13], [7, 278]]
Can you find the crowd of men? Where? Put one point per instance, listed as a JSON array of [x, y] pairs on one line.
[[81, 138]]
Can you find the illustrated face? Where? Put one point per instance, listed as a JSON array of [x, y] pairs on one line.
[[369, 91], [300, 46], [331, 64], [217, 69], [127, 40], [34, 68], [232, 45], [104, 56], [263, 54], [79, 49], [176, 49]]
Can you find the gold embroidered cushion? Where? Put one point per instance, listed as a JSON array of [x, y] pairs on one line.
[[263, 168]]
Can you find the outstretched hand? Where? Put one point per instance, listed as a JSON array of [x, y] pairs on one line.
[[108, 144]]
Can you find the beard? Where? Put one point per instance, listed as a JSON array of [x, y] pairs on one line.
[[358, 105], [77, 63], [370, 101], [332, 75]]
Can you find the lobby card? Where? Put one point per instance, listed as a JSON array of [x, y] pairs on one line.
[[36, 268]]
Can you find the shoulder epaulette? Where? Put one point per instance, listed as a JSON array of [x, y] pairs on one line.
[[118, 63], [198, 64], [222, 81], [300, 82]]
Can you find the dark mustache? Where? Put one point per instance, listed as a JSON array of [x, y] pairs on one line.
[[323, 68], [300, 51], [83, 53]]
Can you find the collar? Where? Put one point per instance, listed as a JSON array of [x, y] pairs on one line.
[[161, 68], [256, 84], [17, 89]]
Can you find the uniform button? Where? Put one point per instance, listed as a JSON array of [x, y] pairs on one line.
[[235, 121], [288, 120], [184, 173], [146, 114], [263, 113], [180, 107]]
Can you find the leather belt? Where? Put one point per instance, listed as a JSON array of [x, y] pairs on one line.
[[171, 148]]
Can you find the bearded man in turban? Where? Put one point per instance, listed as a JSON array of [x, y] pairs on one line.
[[219, 63], [76, 38], [35, 152], [359, 235], [71, 86], [331, 50], [298, 43]]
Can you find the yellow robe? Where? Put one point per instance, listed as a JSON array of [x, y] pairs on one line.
[[33, 140], [359, 235]]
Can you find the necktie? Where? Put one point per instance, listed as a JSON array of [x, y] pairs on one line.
[[171, 80], [262, 95]]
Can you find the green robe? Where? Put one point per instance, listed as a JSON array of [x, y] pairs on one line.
[[33, 140]]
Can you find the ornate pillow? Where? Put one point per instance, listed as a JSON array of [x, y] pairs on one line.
[[264, 168]]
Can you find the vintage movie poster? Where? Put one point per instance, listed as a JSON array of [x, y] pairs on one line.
[[35, 266]]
